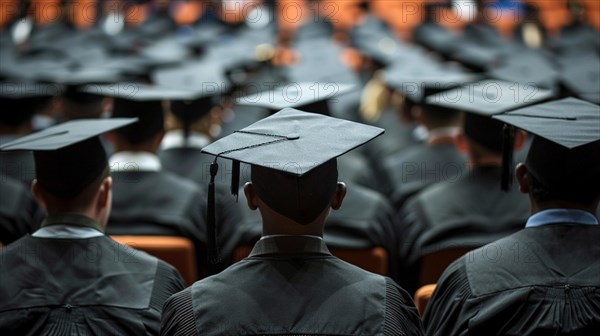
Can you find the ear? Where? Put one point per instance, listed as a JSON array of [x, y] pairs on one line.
[[338, 196], [460, 141], [37, 193], [216, 114], [520, 138], [521, 174], [251, 197], [104, 193]]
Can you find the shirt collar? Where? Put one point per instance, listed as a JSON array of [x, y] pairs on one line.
[[134, 161], [175, 139], [69, 226], [559, 216], [289, 244]]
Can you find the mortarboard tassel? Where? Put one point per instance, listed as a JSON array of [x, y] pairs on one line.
[[235, 179], [211, 229], [508, 143]]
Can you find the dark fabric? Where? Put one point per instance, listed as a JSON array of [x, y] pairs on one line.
[[18, 164], [307, 292], [19, 213], [365, 220], [190, 163], [470, 212], [408, 172], [89, 286], [160, 203], [66, 172], [538, 281]]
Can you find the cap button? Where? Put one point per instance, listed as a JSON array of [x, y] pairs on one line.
[[293, 136]]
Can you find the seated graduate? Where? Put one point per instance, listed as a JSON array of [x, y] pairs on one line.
[[408, 171], [148, 200], [365, 219], [19, 213], [68, 277], [468, 211], [291, 284], [542, 280]]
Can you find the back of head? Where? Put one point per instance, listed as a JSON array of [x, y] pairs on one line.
[[484, 131], [557, 173], [151, 118], [299, 198]]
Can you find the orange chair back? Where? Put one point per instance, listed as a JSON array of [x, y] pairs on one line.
[[374, 260], [422, 297], [177, 251], [433, 265]]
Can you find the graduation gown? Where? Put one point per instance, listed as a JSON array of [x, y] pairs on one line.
[[539, 281], [91, 286], [292, 285], [470, 212], [18, 165], [19, 213], [410, 171], [365, 220], [191, 163], [159, 203]]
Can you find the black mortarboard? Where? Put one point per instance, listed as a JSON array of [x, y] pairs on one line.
[[418, 79], [76, 78], [141, 101], [307, 96], [564, 155], [527, 68], [166, 51], [21, 100], [484, 99], [292, 155], [68, 156], [583, 80]]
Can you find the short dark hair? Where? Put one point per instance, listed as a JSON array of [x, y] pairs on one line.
[[542, 193], [81, 201]]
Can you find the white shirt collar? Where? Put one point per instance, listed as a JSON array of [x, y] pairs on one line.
[[59, 231], [134, 161], [175, 139]]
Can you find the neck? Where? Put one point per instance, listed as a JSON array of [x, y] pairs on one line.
[[442, 135]]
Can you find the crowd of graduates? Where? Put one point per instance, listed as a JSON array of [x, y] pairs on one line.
[[166, 80]]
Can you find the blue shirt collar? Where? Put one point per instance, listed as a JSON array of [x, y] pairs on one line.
[[555, 216]]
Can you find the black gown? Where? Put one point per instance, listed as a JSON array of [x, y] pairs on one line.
[[411, 170], [365, 220], [159, 203], [19, 213], [192, 164], [468, 213], [292, 286], [539, 281], [18, 165], [92, 286]]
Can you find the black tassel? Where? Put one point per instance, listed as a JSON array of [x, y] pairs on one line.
[[186, 132], [508, 144], [235, 179], [211, 229]]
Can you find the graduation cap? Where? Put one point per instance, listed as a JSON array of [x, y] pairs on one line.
[[141, 101], [583, 80], [307, 96], [21, 100], [528, 67], [69, 156], [484, 99], [208, 83], [564, 153], [424, 77], [76, 78], [292, 156]]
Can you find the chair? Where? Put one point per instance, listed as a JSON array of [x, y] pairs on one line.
[[422, 297], [177, 251], [374, 259], [432, 265]]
